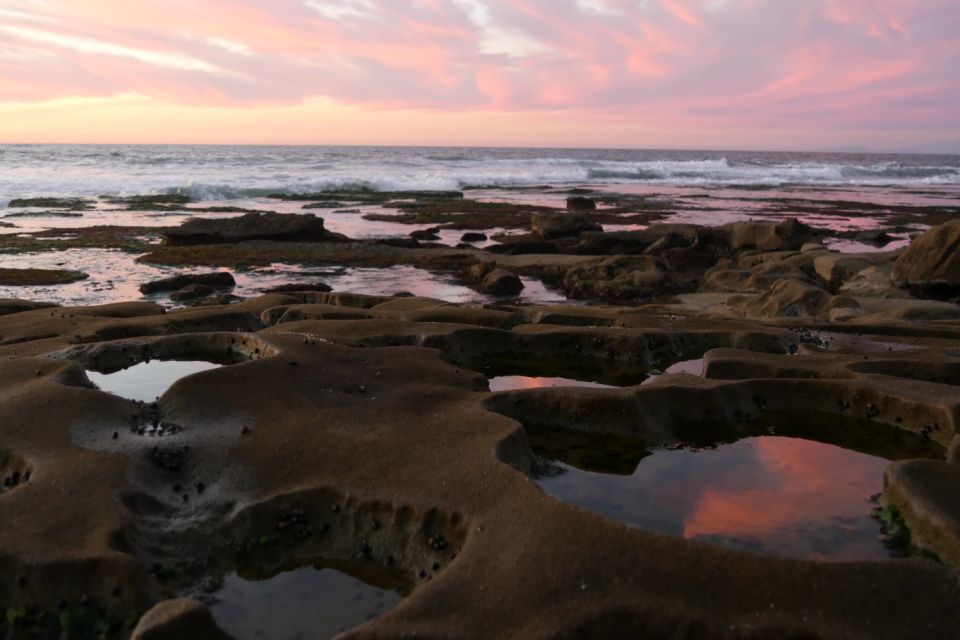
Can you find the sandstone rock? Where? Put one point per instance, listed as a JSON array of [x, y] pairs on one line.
[[836, 268], [624, 278], [252, 226], [580, 203], [192, 292], [639, 241], [790, 297], [501, 282], [791, 234], [549, 225], [926, 493], [931, 263], [14, 305], [217, 279], [873, 282], [477, 272], [178, 619]]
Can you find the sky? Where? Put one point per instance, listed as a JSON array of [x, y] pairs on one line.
[[704, 74]]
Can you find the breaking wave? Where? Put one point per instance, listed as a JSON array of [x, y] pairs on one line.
[[234, 173]]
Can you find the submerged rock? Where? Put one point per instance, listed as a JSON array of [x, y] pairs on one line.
[[215, 280]]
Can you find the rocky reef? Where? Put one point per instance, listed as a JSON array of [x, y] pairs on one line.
[[361, 430]]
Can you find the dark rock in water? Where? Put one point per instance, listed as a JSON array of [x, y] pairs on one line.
[[35, 277], [252, 226], [518, 248], [218, 280], [549, 225], [65, 203], [875, 237], [580, 203], [223, 298], [501, 282], [403, 243], [473, 236], [931, 264], [322, 287], [426, 234], [192, 292], [163, 199]]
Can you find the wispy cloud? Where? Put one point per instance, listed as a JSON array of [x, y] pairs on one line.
[[170, 60], [684, 65]]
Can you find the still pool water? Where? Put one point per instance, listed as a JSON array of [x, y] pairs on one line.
[[769, 494], [510, 383], [311, 602], [148, 380]]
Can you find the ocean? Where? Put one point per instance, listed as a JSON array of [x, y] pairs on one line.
[[843, 192], [221, 173]]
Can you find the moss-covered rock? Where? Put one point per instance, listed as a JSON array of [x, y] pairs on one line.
[[36, 277]]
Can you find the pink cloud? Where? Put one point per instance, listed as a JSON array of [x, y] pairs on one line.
[[825, 64]]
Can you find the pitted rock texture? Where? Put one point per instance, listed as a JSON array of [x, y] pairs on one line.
[[371, 436]]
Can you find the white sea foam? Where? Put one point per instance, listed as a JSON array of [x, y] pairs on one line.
[[228, 173]]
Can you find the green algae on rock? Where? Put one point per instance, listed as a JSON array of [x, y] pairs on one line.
[[32, 277]]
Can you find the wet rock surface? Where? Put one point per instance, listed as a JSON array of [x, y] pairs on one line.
[[356, 428], [360, 430], [932, 261], [219, 279]]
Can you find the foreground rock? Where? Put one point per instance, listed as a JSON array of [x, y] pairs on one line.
[[178, 619], [370, 440], [252, 226], [931, 264], [14, 305]]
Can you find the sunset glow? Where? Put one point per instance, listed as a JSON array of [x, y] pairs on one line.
[[651, 73]]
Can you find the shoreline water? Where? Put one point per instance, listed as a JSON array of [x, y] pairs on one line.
[[219, 172], [357, 423]]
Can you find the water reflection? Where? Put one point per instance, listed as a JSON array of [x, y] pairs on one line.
[[509, 383], [148, 380], [770, 494], [318, 601]]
